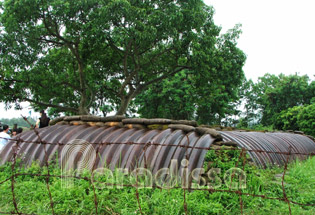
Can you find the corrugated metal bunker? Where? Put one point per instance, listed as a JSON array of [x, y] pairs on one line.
[[151, 143]]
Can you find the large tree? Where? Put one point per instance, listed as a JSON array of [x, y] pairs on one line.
[[76, 56]]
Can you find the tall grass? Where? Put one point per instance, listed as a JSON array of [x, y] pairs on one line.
[[32, 196]]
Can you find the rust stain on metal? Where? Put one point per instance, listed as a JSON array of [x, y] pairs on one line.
[[114, 146], [154, 149]]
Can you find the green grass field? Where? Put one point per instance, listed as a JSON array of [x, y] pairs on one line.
[[32, 196]]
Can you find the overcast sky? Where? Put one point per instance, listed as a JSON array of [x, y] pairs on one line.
[[278, 37]]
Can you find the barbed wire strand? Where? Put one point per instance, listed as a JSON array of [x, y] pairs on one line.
[[171, 145], [185, 177], [48, 172], [15, 153], [137, 191], [282, 182]]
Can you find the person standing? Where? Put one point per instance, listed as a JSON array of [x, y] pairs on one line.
[[14, 132], [4, 136], [19, 130], [43, 121]]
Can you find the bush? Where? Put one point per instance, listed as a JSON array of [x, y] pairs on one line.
[[306, 119], [297, 118], [288, 119]]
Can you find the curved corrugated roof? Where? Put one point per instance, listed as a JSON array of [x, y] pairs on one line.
[[271, 148], [114, 146], [154, 149]]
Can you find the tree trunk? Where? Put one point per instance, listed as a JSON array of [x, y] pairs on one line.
[[84, 106], [125, 100], [124, 105]]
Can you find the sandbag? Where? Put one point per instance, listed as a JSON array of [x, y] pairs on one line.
[[117, 118], [157, 121], [90, 118], [185, 128], [185, 122], [134, 121], [100, 124], [138, 126], [111, 124], [72, 118], [54, 121], [91, 123], [77, 123], [212, 132], [62, 123]]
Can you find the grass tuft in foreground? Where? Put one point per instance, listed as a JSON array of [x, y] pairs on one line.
[[78, 198]]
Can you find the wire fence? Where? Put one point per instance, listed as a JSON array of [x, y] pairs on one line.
[[241, 161]]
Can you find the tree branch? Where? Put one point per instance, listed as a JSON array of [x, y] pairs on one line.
[[143, 86], [56, 33], [51, 105], [51, 41], [112, 44], [156, 56]]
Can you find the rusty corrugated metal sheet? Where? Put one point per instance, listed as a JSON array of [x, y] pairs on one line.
[[114, 149], [111, 154], [273, 146]]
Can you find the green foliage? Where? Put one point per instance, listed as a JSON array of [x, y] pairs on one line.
[[250, 115], [172, 98], [306, 119], [78, 56], [19, 121], [277, 100], [300, 118], [288, 119], [79, 197], [208, 95], [260, 127], [225, 159]]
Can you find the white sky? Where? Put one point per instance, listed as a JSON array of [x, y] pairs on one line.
[[278, 37], [12, 113]]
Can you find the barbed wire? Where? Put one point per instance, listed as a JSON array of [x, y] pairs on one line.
[[18, 141], [224, 148]]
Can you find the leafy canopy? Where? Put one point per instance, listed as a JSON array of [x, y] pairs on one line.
[[207, 96], [283, 102], [82, 56]]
